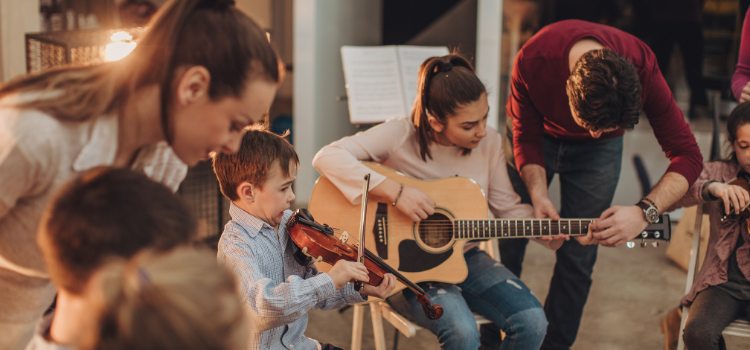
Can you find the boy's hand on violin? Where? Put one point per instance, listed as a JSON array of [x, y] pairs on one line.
[[416, 204], [345, 271], [383, 290], [730, 194]]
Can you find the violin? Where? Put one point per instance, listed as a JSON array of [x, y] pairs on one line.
[[741, 181], [317, 242]]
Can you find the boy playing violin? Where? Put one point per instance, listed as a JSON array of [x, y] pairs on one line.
[[278, 291]]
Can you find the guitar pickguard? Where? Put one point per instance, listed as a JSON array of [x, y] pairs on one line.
[[412, 258]]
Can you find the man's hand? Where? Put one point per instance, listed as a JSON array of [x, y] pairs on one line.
[[344, 271], [745, 95], [543, 208], [383, 290], [618, 224], [416, 204]]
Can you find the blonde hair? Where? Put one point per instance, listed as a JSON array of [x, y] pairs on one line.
[[182, 299], [209, 33]]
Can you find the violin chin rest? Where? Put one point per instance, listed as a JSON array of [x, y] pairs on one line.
[[305, 214]]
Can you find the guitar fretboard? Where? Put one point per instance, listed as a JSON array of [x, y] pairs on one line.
[[502, 228]]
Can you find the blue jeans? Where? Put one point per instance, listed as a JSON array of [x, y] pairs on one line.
[[490, 290], [589, 172]]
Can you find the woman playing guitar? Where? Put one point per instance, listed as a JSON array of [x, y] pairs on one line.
[[446, 136]]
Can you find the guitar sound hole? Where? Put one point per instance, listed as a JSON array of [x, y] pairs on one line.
[[436, 231]]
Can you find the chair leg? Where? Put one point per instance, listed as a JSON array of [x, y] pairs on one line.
[[357, 324], [680, 343], [377, 325]]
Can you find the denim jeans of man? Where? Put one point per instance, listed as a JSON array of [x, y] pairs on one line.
[[588, 173], [490, 290]]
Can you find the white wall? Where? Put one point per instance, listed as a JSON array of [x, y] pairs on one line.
[[321, 27], [16, 19]]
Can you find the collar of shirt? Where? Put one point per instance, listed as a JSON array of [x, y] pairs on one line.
[[101, 149], [251, 223]]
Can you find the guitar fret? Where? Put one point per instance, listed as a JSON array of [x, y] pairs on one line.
[[579, 226]]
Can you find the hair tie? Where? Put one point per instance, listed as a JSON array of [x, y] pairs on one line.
[[444, 67], [215, 4]]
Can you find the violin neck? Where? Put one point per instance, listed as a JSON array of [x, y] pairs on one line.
[[529, 228]]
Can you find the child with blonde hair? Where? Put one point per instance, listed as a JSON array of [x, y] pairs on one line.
[[181, 299]]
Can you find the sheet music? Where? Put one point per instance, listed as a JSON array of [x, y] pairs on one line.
[[373, 83], [411, 57]]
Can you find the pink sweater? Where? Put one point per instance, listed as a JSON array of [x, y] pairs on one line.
[[742, 74], [394, 144]]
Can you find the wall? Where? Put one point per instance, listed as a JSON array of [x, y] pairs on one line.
[[321, 27], [16, 19]]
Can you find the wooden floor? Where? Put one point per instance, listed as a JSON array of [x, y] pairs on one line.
[[633, 289]]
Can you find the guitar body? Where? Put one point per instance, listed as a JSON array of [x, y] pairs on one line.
[[425, 251]]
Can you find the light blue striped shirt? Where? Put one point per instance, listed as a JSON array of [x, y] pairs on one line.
[[277, 291]]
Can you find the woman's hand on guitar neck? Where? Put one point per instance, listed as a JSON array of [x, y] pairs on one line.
[[414, 203]]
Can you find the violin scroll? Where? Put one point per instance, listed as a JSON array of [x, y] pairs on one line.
[[433, 312]]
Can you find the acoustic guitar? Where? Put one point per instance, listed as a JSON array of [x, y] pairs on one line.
[[432, 249]]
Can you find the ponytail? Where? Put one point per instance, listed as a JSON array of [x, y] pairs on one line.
[[444, 84], [209, 33], [182, 299]]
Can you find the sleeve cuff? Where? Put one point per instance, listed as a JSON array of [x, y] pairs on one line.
[[323, 286], [352, 296]]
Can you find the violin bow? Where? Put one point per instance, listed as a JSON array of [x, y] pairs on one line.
[[361, 253]]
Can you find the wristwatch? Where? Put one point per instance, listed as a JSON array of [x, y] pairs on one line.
[[650, 212]]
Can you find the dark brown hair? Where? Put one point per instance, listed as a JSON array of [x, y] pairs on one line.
[[183, 33], [445, 84], [109, 212], [604, 91], [739, 116], [259, 150], [182, 299]]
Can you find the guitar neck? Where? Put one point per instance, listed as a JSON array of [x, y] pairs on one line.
[[515, 228]]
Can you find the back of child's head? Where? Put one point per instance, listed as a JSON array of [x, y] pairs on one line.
[[444, 85], [182, 299], [109, 212], [259, 151]]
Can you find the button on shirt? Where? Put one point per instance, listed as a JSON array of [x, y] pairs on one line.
[[277, 291]]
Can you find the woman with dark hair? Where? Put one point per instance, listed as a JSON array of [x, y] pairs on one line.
[[447, 135], [201, 73]]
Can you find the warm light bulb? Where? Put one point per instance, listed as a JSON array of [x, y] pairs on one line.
[[121, 46]]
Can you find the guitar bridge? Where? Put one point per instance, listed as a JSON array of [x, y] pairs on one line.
[[380, 230]]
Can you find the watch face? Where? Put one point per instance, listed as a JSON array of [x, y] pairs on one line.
[[652, 215]]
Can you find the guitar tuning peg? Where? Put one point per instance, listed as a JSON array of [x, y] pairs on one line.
[[630, 244], [655, 244], [657, 234], [643, 244]]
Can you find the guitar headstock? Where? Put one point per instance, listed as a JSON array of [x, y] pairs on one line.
[[661, 230]]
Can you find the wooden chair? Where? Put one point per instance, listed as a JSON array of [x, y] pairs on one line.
[[739, 327], [380, 310]]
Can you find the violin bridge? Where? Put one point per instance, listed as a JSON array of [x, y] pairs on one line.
[[344, 237]]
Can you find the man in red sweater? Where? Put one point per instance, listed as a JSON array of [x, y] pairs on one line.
[[576, 86]]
